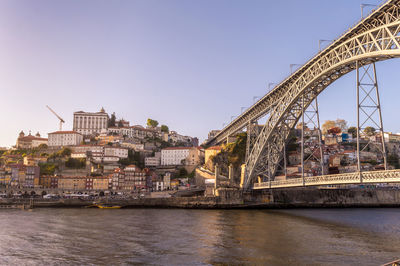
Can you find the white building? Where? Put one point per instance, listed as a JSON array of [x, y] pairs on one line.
[[64, 138], [138, 132], [153, 161], [90, 123], [391, 137], [174, 155], [135, 146], [116, 152], [174, 137], [100, 153]]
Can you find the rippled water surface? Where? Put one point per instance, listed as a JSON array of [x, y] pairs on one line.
[[199, 237]]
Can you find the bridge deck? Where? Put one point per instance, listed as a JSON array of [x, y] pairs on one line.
[[388, 176]]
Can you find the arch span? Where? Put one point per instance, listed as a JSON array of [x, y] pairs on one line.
[[367, 45]]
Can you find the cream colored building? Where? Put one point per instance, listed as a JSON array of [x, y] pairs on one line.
[[72, 183], [391, 137], [100, 183], [212, 151], [29, 141], [64, 138], [90, 123], [116, 152], [180, 156]]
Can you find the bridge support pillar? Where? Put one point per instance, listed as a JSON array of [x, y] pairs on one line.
[[216, 174], [310, 117], [369, 115], [242, 175], [230, 175]]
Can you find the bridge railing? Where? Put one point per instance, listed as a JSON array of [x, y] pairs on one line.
[[388, 176]]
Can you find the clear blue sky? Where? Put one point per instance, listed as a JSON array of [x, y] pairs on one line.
[[188, 64]]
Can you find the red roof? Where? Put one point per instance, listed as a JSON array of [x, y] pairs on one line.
[[30, 138], [178, 148], [65, 132], [215, 148]]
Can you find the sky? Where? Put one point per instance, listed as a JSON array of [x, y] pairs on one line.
[[188, 64]]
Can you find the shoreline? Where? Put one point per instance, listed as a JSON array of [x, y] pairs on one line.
[[235, 199]]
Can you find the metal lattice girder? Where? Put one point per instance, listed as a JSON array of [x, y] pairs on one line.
[[374, 38], [387, 176], [369, 111], [252, 133], [310, 118]]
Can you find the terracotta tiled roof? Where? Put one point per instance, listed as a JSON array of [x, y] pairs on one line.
[[178, 148], [215, 148], [30, 138], [65, 132]]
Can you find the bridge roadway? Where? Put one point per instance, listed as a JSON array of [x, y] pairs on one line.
[[371, 177]]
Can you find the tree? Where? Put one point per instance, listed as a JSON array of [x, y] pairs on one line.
[[120, 124], [65, 152], [328, 125], [369, 131], [152, 123], [164, 129], [182, 172], [75, 163], [342, 124], [352, 131], [47, 168], [42, 146], [393, 160], [111, 122]]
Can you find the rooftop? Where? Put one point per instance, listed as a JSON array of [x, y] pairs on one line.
[[65, 132]]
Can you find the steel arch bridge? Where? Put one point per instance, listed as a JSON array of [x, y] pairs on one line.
[[375, 38]]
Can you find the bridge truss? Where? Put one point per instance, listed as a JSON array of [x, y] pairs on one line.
[[375, 38]]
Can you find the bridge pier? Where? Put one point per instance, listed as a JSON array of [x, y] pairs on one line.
[[369, 113], [242, 175], [230, 174]]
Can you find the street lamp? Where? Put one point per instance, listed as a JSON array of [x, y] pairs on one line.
[[321, 41], [291, 67], [233, 117], [255, 98], [271, 84], [242, 108], [362, 8]]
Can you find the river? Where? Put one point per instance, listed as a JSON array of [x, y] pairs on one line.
[[199, 237]]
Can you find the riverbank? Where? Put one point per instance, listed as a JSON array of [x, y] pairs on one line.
[[234, 199]]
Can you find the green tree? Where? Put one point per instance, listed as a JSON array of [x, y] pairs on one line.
[[75, 163], [111, 122], [352, 131], [152, 123], [42, 146], [164, 128], [393, 160], [182, 173], [47, 168], [65, 152], [369, 131], [120, 124]]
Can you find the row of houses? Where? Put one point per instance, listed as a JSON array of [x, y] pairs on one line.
[[129, 179]]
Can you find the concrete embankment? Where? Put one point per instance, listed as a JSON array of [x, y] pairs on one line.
[[288, 198], [315, 198]]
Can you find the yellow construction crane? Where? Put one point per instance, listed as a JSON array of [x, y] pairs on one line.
[[61, 120]]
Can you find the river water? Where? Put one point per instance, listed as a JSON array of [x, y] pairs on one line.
[[199, 237]]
